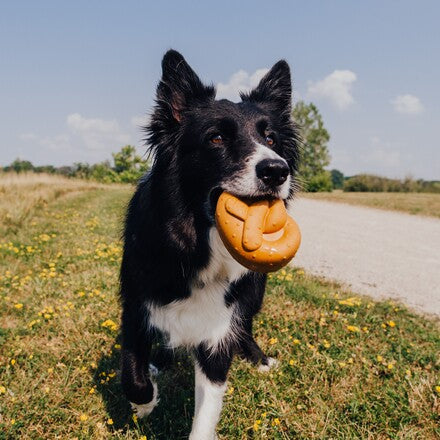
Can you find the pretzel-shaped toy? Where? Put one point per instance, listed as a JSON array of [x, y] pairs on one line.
[[259, 235]]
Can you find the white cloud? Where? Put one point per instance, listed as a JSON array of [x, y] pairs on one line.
[[335, 87], [407, 104], [97, 134], [239, 81]]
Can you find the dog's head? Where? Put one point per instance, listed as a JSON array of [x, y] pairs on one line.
[[247, 148]]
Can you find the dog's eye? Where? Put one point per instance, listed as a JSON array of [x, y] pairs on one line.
[[217, 139], [270, 140]]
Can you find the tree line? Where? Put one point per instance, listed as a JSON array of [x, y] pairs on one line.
[[127, 166]]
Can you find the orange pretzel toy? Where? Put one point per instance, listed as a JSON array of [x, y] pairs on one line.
[[260, 235]]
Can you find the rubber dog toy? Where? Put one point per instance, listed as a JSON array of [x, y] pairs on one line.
[[259, 235]]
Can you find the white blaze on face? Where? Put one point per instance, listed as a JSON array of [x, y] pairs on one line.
[[247, 184]]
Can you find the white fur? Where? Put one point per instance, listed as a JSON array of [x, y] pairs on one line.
[[271, 363], [204, 316], [145, 409], [247, 183], [208, 406]]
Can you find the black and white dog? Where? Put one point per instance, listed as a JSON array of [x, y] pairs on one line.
[[177, 278]]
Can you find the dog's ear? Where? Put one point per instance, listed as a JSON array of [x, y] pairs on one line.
[[274, 88], [180, 87]]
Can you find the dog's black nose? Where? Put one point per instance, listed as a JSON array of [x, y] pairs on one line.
[[273, 172]]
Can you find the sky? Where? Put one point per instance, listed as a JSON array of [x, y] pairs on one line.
[[77, 79]]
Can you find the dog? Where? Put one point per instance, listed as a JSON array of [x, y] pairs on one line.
[[177, 279]]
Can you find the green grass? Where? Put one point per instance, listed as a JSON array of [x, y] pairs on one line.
[[412, 203], [349, 368]]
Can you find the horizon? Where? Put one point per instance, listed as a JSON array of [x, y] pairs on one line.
[[77, 80]]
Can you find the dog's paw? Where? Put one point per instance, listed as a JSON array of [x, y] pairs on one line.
[[145, 409], [267, 365]]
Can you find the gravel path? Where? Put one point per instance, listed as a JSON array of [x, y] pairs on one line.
[[383, 254]]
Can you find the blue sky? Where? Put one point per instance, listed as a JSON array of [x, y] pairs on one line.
[[76, 78]]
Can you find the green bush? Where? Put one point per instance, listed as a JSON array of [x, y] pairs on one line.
[[337, 179], [372, 183], [320, 182]]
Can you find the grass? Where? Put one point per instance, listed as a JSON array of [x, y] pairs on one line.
[[22, 194], [413, 203], [350, 368]]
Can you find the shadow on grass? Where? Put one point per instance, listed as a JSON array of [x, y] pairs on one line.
[[172, 417]]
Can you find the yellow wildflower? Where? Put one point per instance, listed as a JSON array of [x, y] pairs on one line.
[[117, 346], [391, 323], [2, 390], [437, 389], [13, 361], [352, 302], [390, 366], [379, 358], [135, 418], [291, 362], [83, 417], [353, 328], [18, 306], [273, 341], [257, 425], [111, 325], [296, 341], [276, 422], [110, 422]]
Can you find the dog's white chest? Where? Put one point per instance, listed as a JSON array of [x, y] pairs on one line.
[[204, 316]]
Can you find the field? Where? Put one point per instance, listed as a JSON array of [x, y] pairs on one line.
[[350, 368], [412, 203]]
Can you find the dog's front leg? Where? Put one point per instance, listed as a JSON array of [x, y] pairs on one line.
[[211, 370], [136, 378]]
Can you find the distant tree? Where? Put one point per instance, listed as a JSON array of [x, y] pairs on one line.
[[128, 165], [82, 170], [103, 172], [127, 160], [50, 169], [337, 179], [314, 153], [20, 166], [66, 170]]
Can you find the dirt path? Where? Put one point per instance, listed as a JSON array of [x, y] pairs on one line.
[[379, 253]]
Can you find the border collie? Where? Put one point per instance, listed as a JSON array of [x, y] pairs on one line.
[[177, 278]]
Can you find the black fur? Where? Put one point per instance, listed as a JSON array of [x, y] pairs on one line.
[[166, 238]]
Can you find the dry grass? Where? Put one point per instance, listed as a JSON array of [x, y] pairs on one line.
[[350, 368], [412, 203], [21, 194]]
